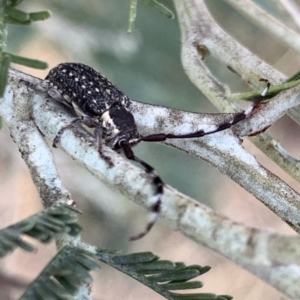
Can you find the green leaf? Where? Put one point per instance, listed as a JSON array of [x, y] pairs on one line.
[[224, 297], [273, 91], [9, 240], [32, 63], [51, 294], [200, 296], [4, 67], [16, 14], [154, 4], [86, 262], [40, 16], [67, 284], [61, 276], [44, 226], [132, 15], [160, 8], [10, 20], [154, 267], [174, 275], [201, 270], [179, 266], [182, 285], [134, 258], [14, 2], [296, 76]]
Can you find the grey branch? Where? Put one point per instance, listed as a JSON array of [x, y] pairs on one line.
[[267, 254], [200, 31], [16, 110]]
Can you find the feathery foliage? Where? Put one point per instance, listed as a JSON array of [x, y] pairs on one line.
[[273, 91], [162, 276], [44, 226], [9, 14], [70, 268], [59, 280], [153, 3]]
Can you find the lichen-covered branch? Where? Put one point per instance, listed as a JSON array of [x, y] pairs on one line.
[[267, 254], [199, 28], [16, 111], [200, 31], [274, 150]]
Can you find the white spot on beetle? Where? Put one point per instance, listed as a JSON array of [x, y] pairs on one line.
[[109, 123]]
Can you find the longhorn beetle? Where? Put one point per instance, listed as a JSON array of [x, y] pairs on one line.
[[101, 105]]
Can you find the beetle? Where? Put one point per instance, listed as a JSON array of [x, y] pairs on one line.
[[101, 105]]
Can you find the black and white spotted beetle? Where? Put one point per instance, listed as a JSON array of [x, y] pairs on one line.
[[100, 105]]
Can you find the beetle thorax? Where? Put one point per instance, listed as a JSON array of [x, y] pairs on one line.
[[118, 125]]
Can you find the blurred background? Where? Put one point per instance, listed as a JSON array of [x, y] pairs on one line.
[[146, 65]]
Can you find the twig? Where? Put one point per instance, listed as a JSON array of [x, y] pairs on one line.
[[268, 23]]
